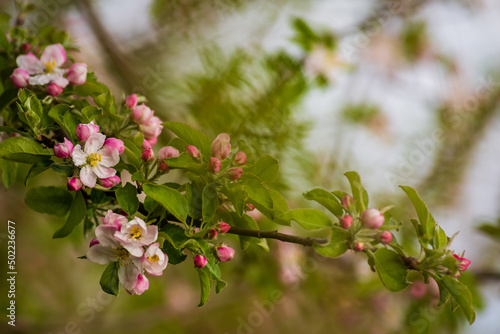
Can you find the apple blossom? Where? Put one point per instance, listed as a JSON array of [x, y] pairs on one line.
[[193, 151], [54, 89], [131, 101], [224, 253], [386, 237], [84, 131], [77, 74], [240, 158], [148, 155], [141, 285], [463, 263], [154, 261], [347, 201], [215, 164], [223, 227], [359, 246], [96, 161], [63, 150], [93, 242], [200, 261], [168, 152], [152, 128], [372, 218], [221, 146], [135, 234], [114, 219], [110, 181], [345, 221], [212, 233], [140, 114], [20, 78], [113, 143], [74, 184], [235, 173]]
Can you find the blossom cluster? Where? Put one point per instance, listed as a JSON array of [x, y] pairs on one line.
[[47, 70], [95, 160], [149, 124], [134, 245]]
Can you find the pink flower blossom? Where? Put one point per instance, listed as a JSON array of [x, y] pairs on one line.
[[154, 261], [84, 131], [193, 151], [135, 234], [110, 181], [141, 285], [200, 261], [223, 227], [148, 155], [96, 161], [131, 101], [372, 218], [53, 89], [77, 74], [215, 164], [152, 128], [63, 150], [224, 253], [463, 263], [240, 158], [168, 152], [140, 114], [114, 219], [114, 144], [221, 146], [74, 184], [20, 78]]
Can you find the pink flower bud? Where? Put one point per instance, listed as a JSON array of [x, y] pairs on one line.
[[463, 263], [53, 89], [193, 151], [359, 246], [223, 227], [114, 144], [212, 234], [141, 285], [110, 181], [84, 131], [347, 201], [200, 261], [152, 141], [240, 158], [25, 47], [63, 150], [372, 218], [141, 114], [148, 155], [77, 74], [168, 152], [345, 221], [385, 237], [131, 101], [94, 242], [221, 146], [163, 167], [224, 253], [152, 128], [74, 184], [418, 289], [146, 144], [20, 78], [250, 207], [215, 164], [235, 173]]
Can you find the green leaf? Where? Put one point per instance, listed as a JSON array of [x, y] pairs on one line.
[[424, 216], [61, 169], [237, 195], [210, 202], [109, 281], [440, 240], [358, 192], [491, 230], [185, 161], [76, 215], [133, 153], [336, 246], [30, 109], [391, 269], [175, 256], [170, 198], [36, 169], [61, 114], [266, 168], [99, 197], [191, 137], [91, 113], [9, 172], [42, 199], [107, 102], [206, 284], [310, 219], [127, 198], [21, 149], [461, 294], [258, 193], [327, 199], [280, 204], [7, 98], [194, 199], [220, 285]]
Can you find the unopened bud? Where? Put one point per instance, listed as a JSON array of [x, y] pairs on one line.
[[372, 218], [224, 253], [359, 246], [131, 101], [148, 155], [240, 158], [221, 146], [386, 237], [235, 173], [215, 164], [223, 227], [193, 151], [63, 150], [200, 261], [212, 234], [74, 184], [110, 181], [345, 221], [347, 201]]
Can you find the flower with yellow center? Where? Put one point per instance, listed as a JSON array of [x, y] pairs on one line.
[[95, 160], [154, 260], [135, 234]]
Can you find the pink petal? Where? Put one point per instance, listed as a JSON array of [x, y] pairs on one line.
[[54, 52], [30, 63]]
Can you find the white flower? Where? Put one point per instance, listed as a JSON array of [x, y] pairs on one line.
[[46, 69], [95, 159], [154, 261], [135, 234]]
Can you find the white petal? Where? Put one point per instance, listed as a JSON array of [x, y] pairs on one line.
[[103, 172], [109, 157], [54, 52], [106, 236], [79, 157], [94, 143], [127, 275], [134, 248], [30, 63], [151, 235], [60, 81], [41, 79], [100, 254], [87, 176]]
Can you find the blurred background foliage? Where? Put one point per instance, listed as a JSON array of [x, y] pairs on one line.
[[324, 86]]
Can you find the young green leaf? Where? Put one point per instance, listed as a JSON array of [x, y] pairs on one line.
[[327, 199], [127, 198], [76, 215], [170, 198], [310, 219], [109, 281], [210, 202], [336, 246], [191, 137], [424, 216], [9, 172], [266, 168], [391, 269], [358, 191]]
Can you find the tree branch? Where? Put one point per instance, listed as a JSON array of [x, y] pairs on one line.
[[276, 235]]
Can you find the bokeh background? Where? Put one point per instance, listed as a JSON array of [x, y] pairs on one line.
[[404, 92]]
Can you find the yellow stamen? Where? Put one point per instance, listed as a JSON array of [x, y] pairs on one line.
[[50, 65], [94, 158], [121, 253], [153, 258], [135, 232]]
